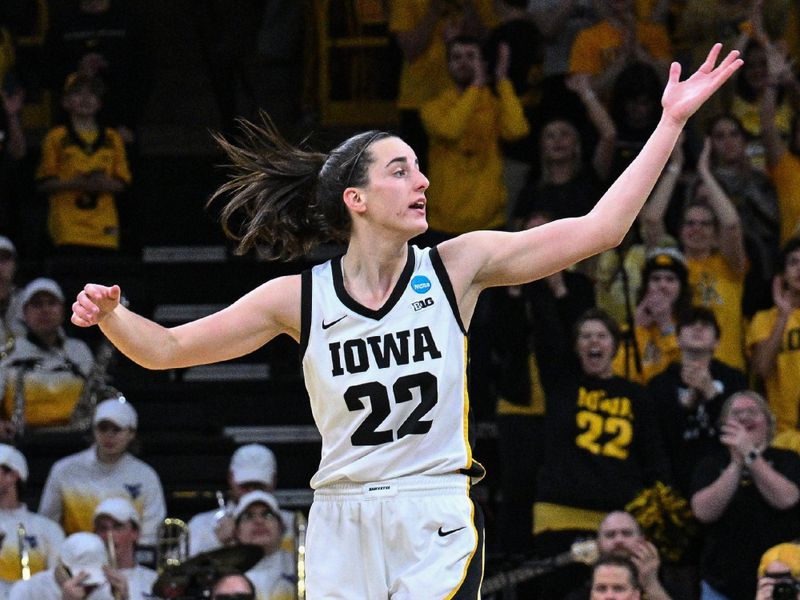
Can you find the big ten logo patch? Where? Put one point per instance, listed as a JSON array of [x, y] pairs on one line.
[[424, 303]]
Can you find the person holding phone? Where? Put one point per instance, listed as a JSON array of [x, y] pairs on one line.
[[773, 340]]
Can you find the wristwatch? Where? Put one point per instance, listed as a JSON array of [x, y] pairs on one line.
[[751, 456]]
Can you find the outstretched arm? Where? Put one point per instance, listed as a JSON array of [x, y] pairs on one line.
[[269, 310], [483, 259]]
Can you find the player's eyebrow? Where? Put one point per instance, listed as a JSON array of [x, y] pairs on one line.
[[398, 159]]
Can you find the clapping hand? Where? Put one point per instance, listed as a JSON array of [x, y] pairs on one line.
[[738, 440]]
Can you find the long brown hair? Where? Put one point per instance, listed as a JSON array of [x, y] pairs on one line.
[[285, 199]]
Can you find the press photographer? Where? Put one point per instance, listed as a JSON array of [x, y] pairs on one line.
[[778, 573]]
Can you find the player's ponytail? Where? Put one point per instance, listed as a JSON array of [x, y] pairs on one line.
[[286, 200]]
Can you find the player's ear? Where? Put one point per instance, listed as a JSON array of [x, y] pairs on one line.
[[354, 200]]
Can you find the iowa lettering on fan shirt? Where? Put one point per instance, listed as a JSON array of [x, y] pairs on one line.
[[391, 349]]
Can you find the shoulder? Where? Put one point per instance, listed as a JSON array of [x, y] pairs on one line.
[[764, 317], [78, 459], [55, 134], [74, 346], [201, 519], [130, 461]]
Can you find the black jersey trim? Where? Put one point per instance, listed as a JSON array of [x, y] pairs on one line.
[[357, 307], [447, 286], [305, 310]]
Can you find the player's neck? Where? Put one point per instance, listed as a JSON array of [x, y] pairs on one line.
[[370, 277]]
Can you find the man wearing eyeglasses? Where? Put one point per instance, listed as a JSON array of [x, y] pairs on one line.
[[259, 522], [746, 494]]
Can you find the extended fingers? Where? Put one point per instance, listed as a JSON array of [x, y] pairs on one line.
[[674, 72], [711, 59], [728, 66]]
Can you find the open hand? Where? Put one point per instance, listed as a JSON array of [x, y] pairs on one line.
[[681, 99], [94, 303]]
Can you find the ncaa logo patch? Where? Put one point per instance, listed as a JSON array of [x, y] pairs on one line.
[[421, 284]]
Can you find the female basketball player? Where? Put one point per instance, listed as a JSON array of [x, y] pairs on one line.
[[382, 331]]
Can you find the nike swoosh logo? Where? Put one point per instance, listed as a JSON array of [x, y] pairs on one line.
[[446, 533], [332, 323]]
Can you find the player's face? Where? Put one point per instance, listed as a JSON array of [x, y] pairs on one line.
[[260, 526], [698, 230], [43, 314], [395, 193], [559, 141], [595, 347], [617, 534], [698, 336], [611, 582]]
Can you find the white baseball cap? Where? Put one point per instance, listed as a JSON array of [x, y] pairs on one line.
[[254, 497], [119, 509], [7, 245], [41, 284], [253, 462], [14, 460], [85, 552], [117, 410]]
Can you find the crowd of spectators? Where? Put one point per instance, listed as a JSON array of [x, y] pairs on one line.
[[661, 378]]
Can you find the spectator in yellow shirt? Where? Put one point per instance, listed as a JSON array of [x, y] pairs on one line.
[[621, 39], [466, 123]]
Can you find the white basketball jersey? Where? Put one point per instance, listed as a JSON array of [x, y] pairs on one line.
[[388, 387]]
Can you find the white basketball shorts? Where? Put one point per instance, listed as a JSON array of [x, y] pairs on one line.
[[412, 538]]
